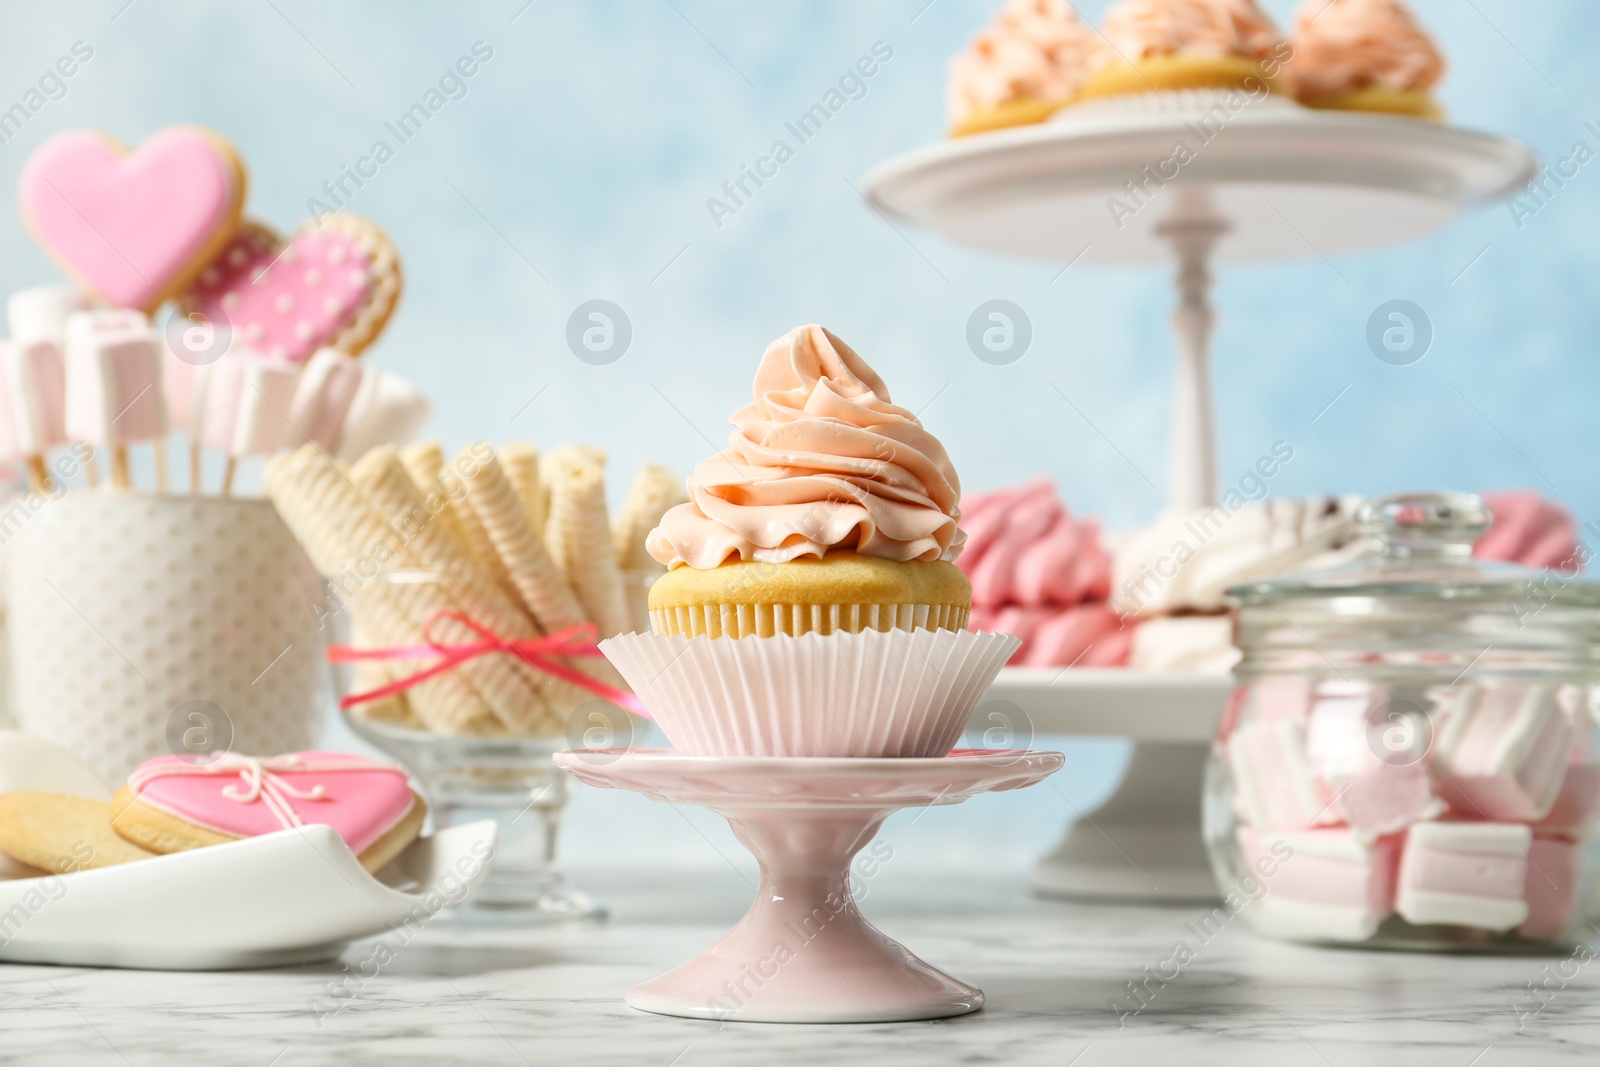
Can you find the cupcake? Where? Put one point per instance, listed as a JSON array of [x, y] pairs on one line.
[[831, 509], [1179, 46], [1018, 70], [811, 606], [1041, 574], [1365, 55]]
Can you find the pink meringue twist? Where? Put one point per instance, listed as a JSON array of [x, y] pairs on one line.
[[1341, 45], [1041, 575], [821, 460], [1531, 531], [1024, 548], [1138, 29], [1034, 49]]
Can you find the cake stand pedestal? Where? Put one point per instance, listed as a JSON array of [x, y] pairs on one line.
[[1144, 843], [804, 953], [1264, 180]]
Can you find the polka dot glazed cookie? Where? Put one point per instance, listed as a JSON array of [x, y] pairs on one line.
[[333, 284]]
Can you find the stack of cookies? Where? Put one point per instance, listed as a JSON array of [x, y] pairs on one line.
[[503, 542]]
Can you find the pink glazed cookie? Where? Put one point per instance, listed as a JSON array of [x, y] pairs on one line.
[[133, 227], [334, 283], [171, 804]]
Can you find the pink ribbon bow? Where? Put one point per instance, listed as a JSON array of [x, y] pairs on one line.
[[537, 652]]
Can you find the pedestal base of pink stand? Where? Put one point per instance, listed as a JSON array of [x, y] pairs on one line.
[[804, 953]]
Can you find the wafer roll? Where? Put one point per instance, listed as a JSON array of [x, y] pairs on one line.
[[543, 590], [389, 487], [398, 610], [505, 524], [383, 478], [521, 464], [578, 514], [424, 462], [566, 455], [655, 490], [330, 526]]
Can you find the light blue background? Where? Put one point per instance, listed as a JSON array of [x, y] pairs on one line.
[[578, 166]]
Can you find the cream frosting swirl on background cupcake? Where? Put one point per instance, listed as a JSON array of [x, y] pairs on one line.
[[821, 460], [1343, 45], [1035, 51], [1139, 29]]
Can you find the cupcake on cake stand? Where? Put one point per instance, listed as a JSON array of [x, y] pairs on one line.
[[812, 667], [1254, 180]]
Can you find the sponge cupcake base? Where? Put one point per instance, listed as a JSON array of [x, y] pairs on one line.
[[1411, 103], [1024, 111], [1175, 72], [841, 593]]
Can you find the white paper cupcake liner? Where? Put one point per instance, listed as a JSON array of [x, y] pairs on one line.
[[1178, 103], [868, 694]]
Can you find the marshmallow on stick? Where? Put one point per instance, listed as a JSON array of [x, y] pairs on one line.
[[40, 312], [34, 409], [583, 536], [349, 407], [239, 406], [114, 390]]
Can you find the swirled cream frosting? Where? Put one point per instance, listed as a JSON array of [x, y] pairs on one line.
[[820, 460], [1359, 44], [1138, 29], [1034, 49]]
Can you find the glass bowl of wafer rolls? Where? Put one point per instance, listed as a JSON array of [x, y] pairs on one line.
[[467, 596]]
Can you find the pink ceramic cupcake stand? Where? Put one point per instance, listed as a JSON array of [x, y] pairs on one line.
[[804, 953]]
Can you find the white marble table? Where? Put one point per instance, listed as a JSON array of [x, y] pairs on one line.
[[1051, 971]]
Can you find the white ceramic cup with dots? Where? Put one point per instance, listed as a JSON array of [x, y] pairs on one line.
[[143, 625]]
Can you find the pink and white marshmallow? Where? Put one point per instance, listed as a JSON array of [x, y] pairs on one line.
[[1472, 874], [240, 405], [1329, 885], [348, 407], [113, 381], [1501, 752]]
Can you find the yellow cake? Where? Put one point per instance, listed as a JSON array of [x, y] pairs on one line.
[[841, 592]]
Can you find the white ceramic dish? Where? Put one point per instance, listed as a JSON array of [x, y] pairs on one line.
[[291, 897]]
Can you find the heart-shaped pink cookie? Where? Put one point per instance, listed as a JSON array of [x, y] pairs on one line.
[[334, 284], [133, 227], [171, 804]]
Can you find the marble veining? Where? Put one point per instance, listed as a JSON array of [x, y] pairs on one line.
[[1057, 978]]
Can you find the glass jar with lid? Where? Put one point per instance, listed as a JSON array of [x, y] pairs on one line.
[[1410, 757]]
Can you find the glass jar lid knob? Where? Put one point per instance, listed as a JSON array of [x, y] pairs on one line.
[[1425, 525]]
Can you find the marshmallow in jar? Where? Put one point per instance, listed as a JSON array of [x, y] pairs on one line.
[[1409, 759]]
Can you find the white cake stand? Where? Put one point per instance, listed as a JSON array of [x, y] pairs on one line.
[[1271, 180], [804, 953]]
